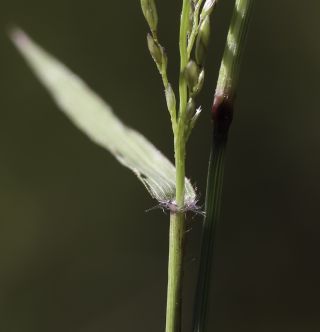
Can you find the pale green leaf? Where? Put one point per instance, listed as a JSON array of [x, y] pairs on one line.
[[95, 118]]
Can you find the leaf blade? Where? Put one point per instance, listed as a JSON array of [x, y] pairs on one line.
[[96, 119]]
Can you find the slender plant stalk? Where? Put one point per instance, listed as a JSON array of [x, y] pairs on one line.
[[175, 271], [222, 113], [194, 35], [177, 219]]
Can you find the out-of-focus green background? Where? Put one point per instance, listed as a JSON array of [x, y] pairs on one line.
[[79, 253]]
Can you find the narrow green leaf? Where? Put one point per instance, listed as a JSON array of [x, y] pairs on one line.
[[96, 119]]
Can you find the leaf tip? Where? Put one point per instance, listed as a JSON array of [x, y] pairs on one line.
[[18, 36]]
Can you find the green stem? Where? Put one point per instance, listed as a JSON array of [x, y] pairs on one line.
[[213, 208], [184, 58], [233, 53], [175, 271], [222, 113], [177, 218]]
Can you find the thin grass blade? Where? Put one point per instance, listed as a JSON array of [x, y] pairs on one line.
[[97, 120]]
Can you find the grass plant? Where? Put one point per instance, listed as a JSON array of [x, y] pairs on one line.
[[165, 182]]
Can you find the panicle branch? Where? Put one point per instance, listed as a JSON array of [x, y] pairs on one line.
[[198, 42], [159, 56], [197, 36]]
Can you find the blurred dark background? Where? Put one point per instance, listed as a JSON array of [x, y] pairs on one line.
[[79, 253]]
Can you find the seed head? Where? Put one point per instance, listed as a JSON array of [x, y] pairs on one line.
[[199, 85], [150, 13], [155, 50], [192, 73], [201, 79], [202, 41], [170, 98], [192, 116], [191, 108]]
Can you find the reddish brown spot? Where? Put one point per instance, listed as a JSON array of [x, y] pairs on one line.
[[222, 114]]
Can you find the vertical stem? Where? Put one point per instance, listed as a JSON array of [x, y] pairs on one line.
[[183, 90], [177, 218], [176, 246], [175, 271], [233, 52], [222, 113], [213, 208]]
